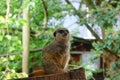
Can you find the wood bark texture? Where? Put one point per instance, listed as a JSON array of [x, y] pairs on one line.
[[77, 74]]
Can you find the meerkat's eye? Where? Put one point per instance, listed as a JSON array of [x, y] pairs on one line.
[[61, 31], [67, 31]]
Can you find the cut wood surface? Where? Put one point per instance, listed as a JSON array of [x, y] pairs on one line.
[[77, 74]]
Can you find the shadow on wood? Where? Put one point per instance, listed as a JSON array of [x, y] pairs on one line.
[[77, 74], [98, 76]]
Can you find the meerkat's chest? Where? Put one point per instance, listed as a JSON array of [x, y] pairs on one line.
[[62, 49]]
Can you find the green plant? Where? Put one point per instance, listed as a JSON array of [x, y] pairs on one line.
[[10, 68], [110, 44]]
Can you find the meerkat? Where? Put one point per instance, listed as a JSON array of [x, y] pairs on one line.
[[56, 55]]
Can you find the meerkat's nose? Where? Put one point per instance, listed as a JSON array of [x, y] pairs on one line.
[[64, 34]]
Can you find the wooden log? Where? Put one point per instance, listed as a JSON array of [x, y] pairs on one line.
[[77, 74]]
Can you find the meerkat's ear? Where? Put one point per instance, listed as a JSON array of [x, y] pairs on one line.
[[54, 33]]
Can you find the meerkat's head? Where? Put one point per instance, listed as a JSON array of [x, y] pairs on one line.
[[61, 35]]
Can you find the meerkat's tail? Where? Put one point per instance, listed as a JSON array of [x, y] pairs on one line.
[[37, 73]]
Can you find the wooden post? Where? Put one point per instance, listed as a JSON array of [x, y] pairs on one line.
[[77, 74], [25, 38]]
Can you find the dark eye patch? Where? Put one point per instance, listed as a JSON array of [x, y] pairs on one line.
[[61, 31], [67, 31]]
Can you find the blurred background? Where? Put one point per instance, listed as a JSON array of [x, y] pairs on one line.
[[26, 26]]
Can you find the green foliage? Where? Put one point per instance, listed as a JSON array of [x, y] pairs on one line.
[[111, 42], [104, 16], [9, 67], [11, 36], [2, 7], [15, 61]]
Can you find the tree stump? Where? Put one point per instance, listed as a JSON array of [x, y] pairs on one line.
[[77, 74]]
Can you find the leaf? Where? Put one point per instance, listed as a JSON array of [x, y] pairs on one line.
[[12, 57], [2, 19], [22, 22], [9, 37], [2, 60], [1, 38], [107, 79]]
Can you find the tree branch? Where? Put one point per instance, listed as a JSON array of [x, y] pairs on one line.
[[86, 24], [93, 32], [45, 14], [90, 29], [112, 52], [7, 14], [89, 4], [31, 51], [7, 26]]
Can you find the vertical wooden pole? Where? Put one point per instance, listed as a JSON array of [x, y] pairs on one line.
[[26, 38]]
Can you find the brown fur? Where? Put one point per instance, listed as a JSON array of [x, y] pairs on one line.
[[56, 55]]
